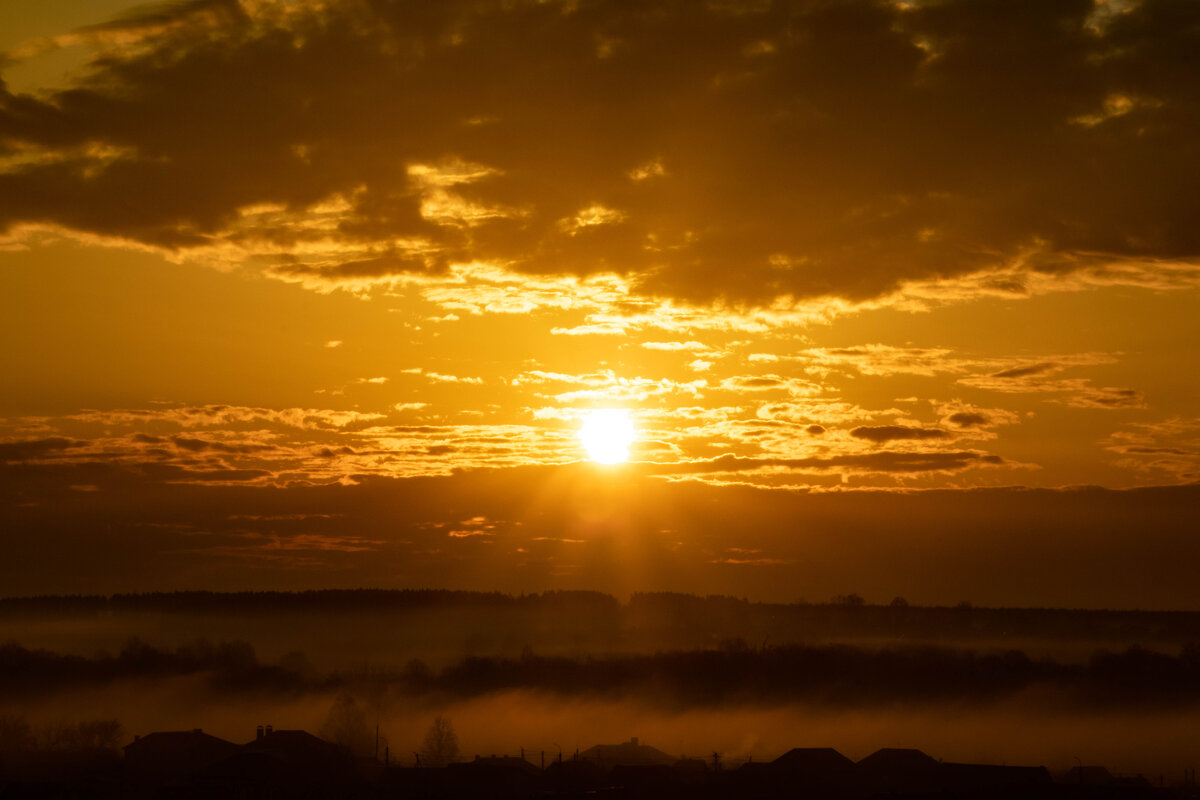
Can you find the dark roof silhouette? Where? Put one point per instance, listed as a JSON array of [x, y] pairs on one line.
[[897, 759], [172, 755], [815, 760], [311, 757], [292, 744], [628, 753], [168, 742], [894, 769]]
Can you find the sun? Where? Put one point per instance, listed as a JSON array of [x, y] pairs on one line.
[[606, 435]]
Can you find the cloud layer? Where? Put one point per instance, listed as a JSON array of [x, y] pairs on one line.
[[745, 151]]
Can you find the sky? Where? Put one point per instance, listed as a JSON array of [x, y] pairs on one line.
[[899, 297]]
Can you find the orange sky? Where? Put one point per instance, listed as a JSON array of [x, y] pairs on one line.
[[262, 256]]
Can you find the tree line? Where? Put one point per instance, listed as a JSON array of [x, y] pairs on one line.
[[735, 672]]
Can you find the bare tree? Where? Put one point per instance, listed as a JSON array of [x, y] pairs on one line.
[[441, 743], [347, 726], [63, 736]]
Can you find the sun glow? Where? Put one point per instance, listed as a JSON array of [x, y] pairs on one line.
[[606, 435]]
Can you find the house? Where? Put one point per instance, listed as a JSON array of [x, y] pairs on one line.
[[626, 754], [166, 756], [897, 769], [309, 757], [820, 771], [815, 762]]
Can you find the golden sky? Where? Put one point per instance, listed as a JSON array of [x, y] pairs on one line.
[[276, 273]]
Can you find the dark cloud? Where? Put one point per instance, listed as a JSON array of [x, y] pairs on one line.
[[880, 434], [1151, 451], [1024, 372], [1108, 397], [746, 151], [34, 448], [195, 445], [757, 384], [145, 438], [177, 473], [969, 419], [814, 430]]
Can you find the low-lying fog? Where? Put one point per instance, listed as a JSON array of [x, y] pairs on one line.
[[1159, 743], [690, 676]]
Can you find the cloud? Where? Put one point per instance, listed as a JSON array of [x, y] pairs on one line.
[[1024, 372], [1106, 397], [1168, 448], [881, 434], [880, 359], [691, 346], [195, 445], [900, 463], [610, 387], [24, 450], [968, 419], [1040, 378], [733, 153], [220, 415], [769, 383], [814, 439]]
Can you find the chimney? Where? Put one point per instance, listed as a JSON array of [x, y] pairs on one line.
[[268, 732], [258, 734], [633, 741]]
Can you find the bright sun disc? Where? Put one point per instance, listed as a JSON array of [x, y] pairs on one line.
[[606, 435]]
